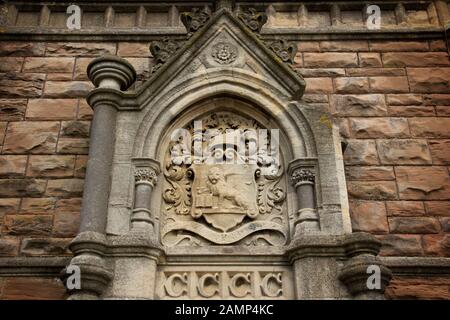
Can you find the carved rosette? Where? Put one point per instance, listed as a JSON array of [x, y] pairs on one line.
[[194, 20], [302, 176], [148, 176], [226, 194], [224, 53], [285, 50], [253, 19]]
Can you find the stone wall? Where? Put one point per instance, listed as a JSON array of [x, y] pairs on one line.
[[390, 98]]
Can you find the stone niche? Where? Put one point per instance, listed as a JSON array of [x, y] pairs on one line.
[[214, 180]]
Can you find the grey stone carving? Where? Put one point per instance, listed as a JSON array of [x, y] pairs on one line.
[[302, 175], [162, 51], [146, 175], [194, 20], [225, 284], [286, 50], [224, 53], [253, 19], [223, 202]]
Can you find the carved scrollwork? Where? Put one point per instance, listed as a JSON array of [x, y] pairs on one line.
[[270, 194], [253, 19], [178, 195], [194, 20], [285, 50]]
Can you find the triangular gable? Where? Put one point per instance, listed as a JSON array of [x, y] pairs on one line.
[[223, 42]]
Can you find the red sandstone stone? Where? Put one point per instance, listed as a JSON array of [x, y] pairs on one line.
[[405, 208], [368, 216]]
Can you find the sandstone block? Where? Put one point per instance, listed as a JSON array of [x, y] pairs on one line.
[[37, 205], [403, 151], [72, 49], [51, 166], [379, 127], [65, 188], [430, 127], [351, 85], [28, 225], [429, 80], [48, 65], [360, 105], [12, 109], [67, 89], [389, 84], [405, 208], [330, 60], [414, 225], [12, 166], [367, 190], [51, 109], [31, 137], [427, 183], [415, 59], [22, 187], [360, 152], [21, 85], [369, 216], [369, 173]]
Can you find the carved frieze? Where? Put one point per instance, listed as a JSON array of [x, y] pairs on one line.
[[221, 188], [228, 284]]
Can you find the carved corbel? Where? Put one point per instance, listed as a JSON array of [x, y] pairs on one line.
[[364, 274], [303, 179], [89, 249], [146, 177]]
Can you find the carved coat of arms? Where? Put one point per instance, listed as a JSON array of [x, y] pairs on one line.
[[222, 187]]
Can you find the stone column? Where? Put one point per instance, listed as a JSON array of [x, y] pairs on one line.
[[303, 180], [146, 177], [110, 75]]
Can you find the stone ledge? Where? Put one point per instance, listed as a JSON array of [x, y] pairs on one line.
[[292, 34], [52, 266], [418, 266], [32, 266]]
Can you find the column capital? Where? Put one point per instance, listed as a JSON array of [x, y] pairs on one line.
[[111, 72], [146, 175], [299, 176]]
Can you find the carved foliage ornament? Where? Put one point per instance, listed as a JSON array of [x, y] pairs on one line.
[[223, 196], [194, 20], [163, 51], [302, 175], [253, 19], [285, 50], [146, 175]]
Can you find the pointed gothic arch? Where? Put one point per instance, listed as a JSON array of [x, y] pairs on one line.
[[127, 208]]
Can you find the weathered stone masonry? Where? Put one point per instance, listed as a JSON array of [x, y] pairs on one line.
[[388, 92]]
